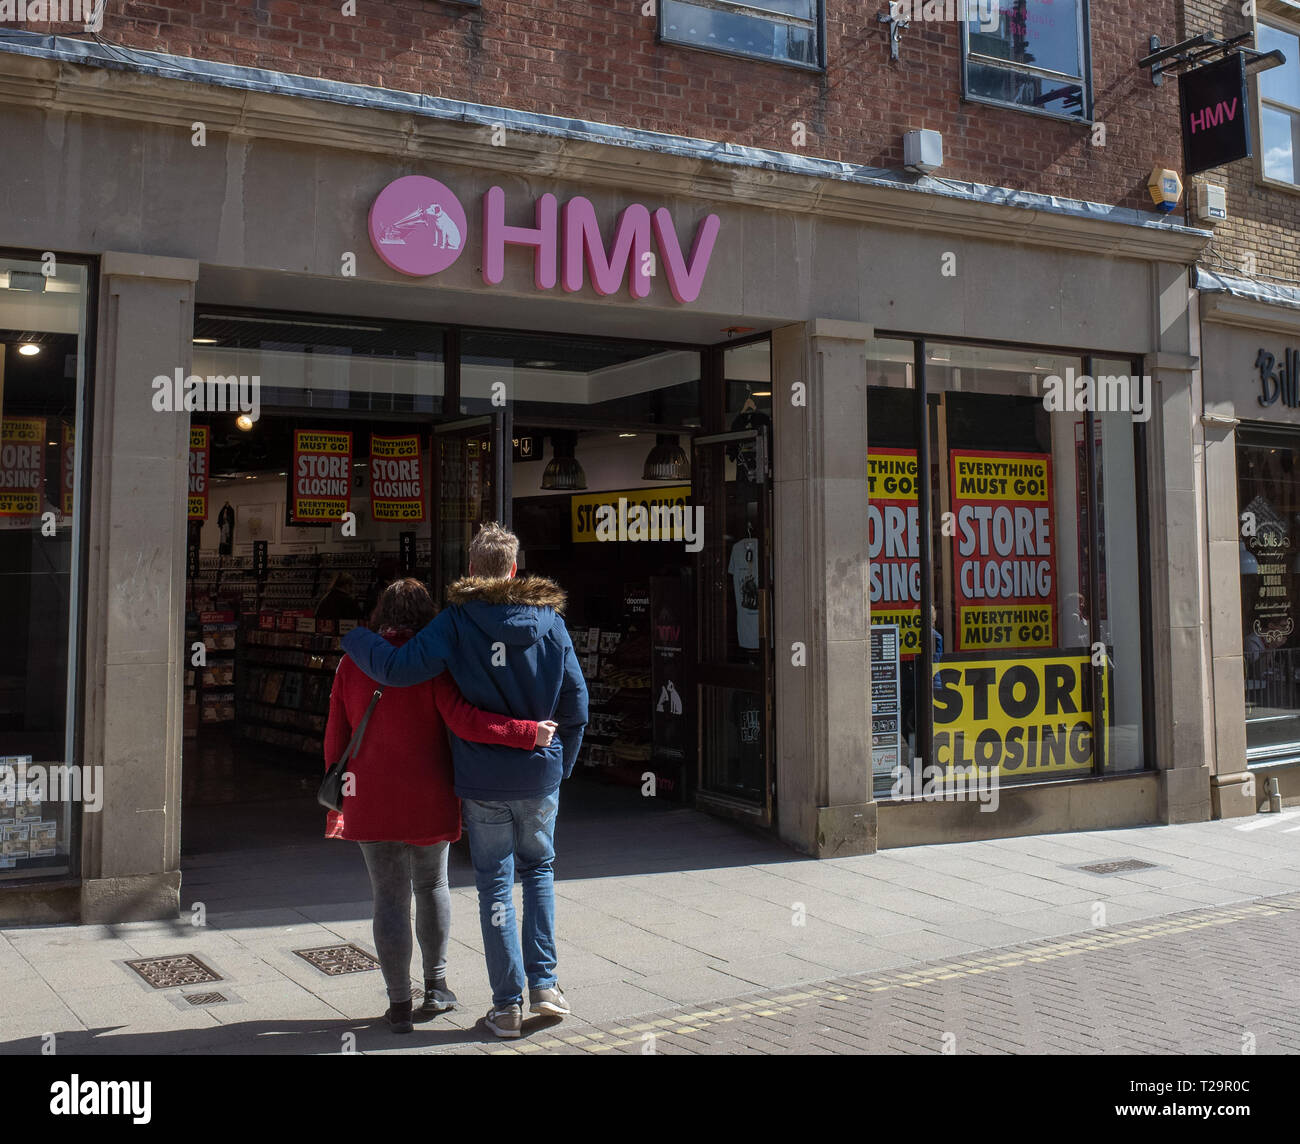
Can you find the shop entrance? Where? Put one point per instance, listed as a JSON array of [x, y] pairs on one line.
[[636, 475]]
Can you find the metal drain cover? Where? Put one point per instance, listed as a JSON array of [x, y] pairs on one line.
[[205, 998], [169, 972], [1119, 866], [333, 960]]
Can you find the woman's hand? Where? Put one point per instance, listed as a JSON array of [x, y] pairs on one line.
[[546, 732]]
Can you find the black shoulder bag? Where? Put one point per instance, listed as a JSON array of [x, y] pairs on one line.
[[330, 794]]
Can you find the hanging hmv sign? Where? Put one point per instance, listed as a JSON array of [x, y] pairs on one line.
[[1215, 115], [419, 227]]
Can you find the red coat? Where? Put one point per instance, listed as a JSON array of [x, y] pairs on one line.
[[403, 787]]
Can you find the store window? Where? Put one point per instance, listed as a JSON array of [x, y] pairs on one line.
[[787, 31], [1268, 497], [43, 335], [1279, 104], [1027, 565], [1032, 55], [274, 575]]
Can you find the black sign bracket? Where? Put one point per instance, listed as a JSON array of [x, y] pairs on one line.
[[1196, 50]]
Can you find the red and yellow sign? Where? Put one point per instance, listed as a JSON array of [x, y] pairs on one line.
[[200, 465], [894, 545], [1028, 717], [22, 465], [1004, 550], [396, 484], [320, 482], [67, 466]]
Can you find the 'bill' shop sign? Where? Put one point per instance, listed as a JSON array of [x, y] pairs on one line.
[[1215, 115], [1279, 382]]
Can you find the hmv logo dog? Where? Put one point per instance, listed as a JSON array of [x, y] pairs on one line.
[[419, 228]]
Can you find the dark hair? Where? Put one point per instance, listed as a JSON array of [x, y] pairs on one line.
[[404, 604]]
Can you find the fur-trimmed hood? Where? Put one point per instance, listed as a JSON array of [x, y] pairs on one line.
[[516, 612], [523, 591]]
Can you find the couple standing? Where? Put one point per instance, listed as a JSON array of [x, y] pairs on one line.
[[506, 649]]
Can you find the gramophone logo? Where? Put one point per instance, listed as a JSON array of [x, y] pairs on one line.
[[417, 226]]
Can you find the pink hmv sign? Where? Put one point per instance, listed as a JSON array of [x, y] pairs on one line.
[[419, 228]]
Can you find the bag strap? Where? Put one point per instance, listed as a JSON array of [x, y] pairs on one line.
[[354, 744]]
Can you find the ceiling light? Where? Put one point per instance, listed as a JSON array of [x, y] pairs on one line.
[[244, 422], [627, 434], [29, 349], [761, 393], [563, 470], [205, 341], [540, 364], [667, 461], [27, 280]]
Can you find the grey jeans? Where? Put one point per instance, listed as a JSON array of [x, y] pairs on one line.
[[398, 869]]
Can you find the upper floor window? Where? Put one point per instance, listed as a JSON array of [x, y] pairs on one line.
[[1031, 54], [1279, 105], [786, 31]]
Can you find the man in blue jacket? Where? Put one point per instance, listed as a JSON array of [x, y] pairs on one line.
[[508, 650]]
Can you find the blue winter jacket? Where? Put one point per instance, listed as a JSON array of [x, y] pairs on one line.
[[508, 650]]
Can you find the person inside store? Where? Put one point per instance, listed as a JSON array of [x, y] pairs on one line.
[[504, 640], [339, 603], [386, 571], [401, 806]]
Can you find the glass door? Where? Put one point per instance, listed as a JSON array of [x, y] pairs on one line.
[[471, 487], [732, 485]]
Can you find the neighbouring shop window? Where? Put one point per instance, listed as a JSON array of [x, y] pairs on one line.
[[1032, 54], [788, 31], [1030, 571], [1279, 104], [1268, 497], [43, 315]]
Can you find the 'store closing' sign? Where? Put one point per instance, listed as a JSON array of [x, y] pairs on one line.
[[1026, 717], [1004, 550], [320, 482]]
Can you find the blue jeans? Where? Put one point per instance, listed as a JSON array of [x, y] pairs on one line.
[[505, 837]]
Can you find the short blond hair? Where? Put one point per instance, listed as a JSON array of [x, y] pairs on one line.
[[493, 551]]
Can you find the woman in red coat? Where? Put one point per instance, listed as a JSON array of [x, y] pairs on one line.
[[400, 803]]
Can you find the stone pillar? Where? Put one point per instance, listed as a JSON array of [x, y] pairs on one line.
[[1183, 712], [823, 717], [134, 591], [1233, 793]]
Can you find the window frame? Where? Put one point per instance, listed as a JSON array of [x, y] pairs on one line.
[[921, 344], [1290, 27], [755, 8], [79, 571], [1084, 80]]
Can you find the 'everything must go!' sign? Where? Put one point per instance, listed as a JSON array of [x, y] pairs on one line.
[[320, 482]]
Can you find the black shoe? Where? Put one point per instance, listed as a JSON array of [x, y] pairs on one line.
[[436, 1001], [399, 1016]]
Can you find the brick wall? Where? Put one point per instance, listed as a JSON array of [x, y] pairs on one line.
[[599, 59], [1263, 220]]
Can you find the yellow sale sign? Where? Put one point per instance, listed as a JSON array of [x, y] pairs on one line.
[[22, 465], [1027, 717]]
